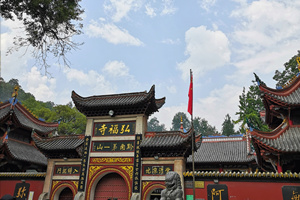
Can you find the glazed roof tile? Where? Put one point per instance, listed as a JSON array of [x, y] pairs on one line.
[[293, 98], [167, 144], [25, 152], [288, 95], [127, 103], [59, 143], [165, 139], [26, 119], [222, 150], [288, 141]]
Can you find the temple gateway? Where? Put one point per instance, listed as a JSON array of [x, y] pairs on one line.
[[118, 159]]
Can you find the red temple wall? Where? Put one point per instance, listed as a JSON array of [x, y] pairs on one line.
[[245, 190], [8, 187]]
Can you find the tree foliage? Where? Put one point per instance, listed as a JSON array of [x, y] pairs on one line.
[[49, 26], [290, 70], [228, 126], [202, 126], [70, 120], [250, 105], [176, 122], [153, 125]]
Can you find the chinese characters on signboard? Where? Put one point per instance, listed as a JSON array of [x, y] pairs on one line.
[[111, 146], [67, 170], [217, 192], [157, 170], [84, 163], [291, 192], [114, 128], [21, 191], [137, 165]]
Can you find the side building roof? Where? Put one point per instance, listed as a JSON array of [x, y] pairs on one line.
[[284, 139], [24, 152], [121, 104], [21, 117], [222, 150], [61, 146], [289, 95], [167, 144]]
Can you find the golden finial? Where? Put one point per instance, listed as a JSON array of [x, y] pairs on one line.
[[15, 93]]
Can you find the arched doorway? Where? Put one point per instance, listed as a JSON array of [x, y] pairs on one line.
[[155, 195], [66, 194], [111, 187]]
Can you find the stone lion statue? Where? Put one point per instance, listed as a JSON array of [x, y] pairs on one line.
[[173, 189]]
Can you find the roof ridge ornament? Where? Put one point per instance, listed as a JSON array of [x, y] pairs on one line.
[[13, 100], [257, 79]]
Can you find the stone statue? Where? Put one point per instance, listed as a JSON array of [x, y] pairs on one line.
[[173, 189]]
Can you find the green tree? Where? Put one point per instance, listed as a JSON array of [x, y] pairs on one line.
[[71, 121], [250, 104], [177, 119], [290, 70], [49, 26], [153, 125], [202, 126], [228, 126]]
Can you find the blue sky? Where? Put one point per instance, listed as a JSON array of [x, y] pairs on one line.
[[129, 45]]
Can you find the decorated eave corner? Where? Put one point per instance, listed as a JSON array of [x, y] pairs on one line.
[[279, 149]]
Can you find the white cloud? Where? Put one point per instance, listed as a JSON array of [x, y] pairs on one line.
[[12, 64], [166, 114], [111, 33], [39, 85], [170, 41], [172, 89], [207, 50], [116, 68], [168, 7], [92, 81], [213, 108], [265, 23], [268, 35], [219, 103], [206, 4], [150, 10], [120, 8]]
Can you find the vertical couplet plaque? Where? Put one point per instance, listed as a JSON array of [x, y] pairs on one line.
[[84, 163], [137, 165]]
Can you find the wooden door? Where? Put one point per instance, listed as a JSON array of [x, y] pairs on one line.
[[111, 187]]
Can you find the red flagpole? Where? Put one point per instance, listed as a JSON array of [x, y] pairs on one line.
[[190, 110], [190, 105]]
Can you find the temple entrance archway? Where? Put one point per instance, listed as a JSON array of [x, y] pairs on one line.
[[155, 194], [66, 194], [111, 187]]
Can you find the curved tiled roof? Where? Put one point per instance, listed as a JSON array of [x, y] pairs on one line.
[[59, 143], [288, 95], [165, 139], [25, 118], [222, 150], [25, 152], [167, 143], [127, 103], [286, 141]]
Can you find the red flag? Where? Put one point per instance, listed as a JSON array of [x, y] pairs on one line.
[[190, 105]]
